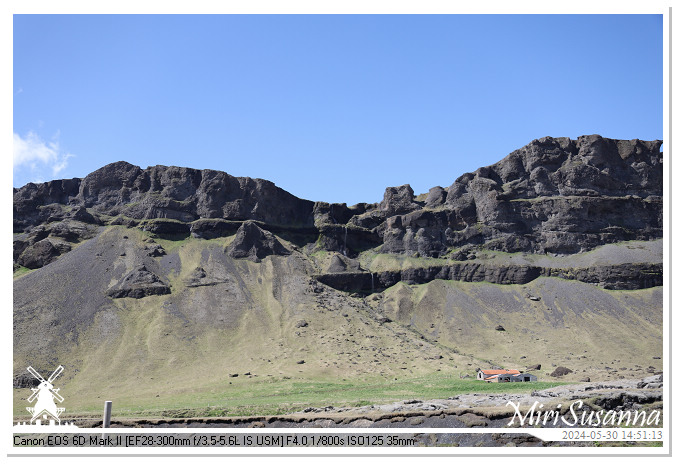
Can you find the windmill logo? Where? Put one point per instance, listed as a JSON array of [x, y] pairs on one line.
[[45, 393]]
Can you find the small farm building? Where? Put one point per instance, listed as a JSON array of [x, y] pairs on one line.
[[504, 375]]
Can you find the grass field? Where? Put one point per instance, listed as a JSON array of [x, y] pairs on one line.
[[279, 396]]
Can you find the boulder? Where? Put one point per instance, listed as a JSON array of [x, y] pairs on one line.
[[154, 250], [336, 264], [80, 213], [39, 254], [19, 245], [560, 371]]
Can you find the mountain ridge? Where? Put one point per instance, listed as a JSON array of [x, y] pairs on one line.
[[170, 281], [553, 195]]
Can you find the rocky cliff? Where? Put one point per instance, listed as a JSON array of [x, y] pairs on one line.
[[554, 196]]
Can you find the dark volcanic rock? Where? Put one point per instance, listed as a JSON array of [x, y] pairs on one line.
[[336, 264], [624, 276], [139, 283], [72, 231], [167, 227], [197, 278], [80, 213], [349, 281], [213, 228], [566, 195], [346, 239], [618, 277], [335, 213], [155, 250], [161, 192], [436, 197], [555, 195], [398, 200], [197, 274], [560, 371], [24, 380], [19, 245], [420, 232], [200, 278], [255, 244], [30, 200], [39, 254], [109, 186], [626, 400]]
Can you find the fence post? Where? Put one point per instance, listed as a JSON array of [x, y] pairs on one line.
[[107, 414], [108, 405]]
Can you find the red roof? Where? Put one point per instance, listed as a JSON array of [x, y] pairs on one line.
[[499, 371]]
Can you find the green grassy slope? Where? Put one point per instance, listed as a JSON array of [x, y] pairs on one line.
[[261, 320], [601, 334]]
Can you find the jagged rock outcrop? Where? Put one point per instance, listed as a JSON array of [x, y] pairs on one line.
[[615, 277], [557, 196], [139, 283], [162, 192], [41, 253], [398, 200], [554, 196], [255, 244], [154, 250], [630, 276]]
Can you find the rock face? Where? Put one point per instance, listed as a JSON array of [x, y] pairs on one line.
[[398, 200], [618, 277], [554, 196], [39, 254], [161, 192], [254, 244]]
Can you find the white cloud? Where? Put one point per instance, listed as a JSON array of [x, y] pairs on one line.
[[36, 155]]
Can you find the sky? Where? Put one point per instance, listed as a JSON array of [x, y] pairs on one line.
[[328, 107]]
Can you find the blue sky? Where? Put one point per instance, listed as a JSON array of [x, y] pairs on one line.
[[330, 108]]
